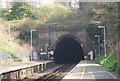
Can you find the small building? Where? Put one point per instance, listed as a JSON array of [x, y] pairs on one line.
[[8, 3]]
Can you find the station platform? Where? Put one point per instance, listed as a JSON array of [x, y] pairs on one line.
[[5, 68], [89, 70]]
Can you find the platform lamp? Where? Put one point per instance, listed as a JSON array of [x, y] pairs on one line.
[[31, 44], [98, 36], [104, 41], [9, 54]]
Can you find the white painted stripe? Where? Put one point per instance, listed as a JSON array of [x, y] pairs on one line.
[[68, 75], [83, 72], [112, 75]]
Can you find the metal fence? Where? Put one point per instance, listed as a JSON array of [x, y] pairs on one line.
[[23, 54], [3, 54], [20, 54]]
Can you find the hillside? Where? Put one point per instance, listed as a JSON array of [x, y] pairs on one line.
[[89, 16]]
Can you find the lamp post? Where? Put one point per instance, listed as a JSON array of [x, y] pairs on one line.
[[104, 41], [49, 34], [0, 32], [98, 36], [9, 54], [31, 44], [48, 48]]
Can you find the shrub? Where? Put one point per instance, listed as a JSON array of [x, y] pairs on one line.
[[110, 64], [19, 11]]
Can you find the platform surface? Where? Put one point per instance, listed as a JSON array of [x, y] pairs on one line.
[[4, 68], [89, 70]]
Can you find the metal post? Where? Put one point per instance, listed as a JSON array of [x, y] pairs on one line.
[[105, 45], [98, 36], [49, 34], [9, 55], [0, 37], [104, 42], [31, 45], [41, 56], [49, 42], [99, 45]]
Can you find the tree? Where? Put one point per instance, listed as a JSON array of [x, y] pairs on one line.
[[106, 14], [54, 13], [19, 11], [92, 30]]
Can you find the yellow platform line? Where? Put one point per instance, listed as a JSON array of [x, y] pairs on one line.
[[83, 72]]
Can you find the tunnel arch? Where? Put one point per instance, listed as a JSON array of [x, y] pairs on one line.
[[68, 49]]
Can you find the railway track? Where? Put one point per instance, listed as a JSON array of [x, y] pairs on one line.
[[54, 73], [57, 71]]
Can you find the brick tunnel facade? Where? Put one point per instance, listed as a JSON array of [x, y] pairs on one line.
[[51, 36]]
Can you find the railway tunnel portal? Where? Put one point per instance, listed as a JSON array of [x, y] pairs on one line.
[[68, 50], [75, 41]]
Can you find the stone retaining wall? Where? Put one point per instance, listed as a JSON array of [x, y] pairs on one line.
[[23, 73]]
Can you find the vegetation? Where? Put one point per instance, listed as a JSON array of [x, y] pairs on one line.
[[27, 18], [54, 13], [110, 64], [51, 13], [89, 15], [19, 10], [43, 14], [92, 30], [105, 14], [15, 47]]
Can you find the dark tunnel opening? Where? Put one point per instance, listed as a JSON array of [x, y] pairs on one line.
[[68, 50]]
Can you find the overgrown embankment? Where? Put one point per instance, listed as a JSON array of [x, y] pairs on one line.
[[14, 43], [104, 14], [109, 63], [27, 18]]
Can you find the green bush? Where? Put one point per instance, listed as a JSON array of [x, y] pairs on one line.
[[19, 11], [4, 12], [14, 56], [110, 64], [92, 30]]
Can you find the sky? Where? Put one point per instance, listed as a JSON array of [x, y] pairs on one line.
[[47, 1]]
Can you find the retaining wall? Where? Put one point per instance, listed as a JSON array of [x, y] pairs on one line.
[[22, 73]]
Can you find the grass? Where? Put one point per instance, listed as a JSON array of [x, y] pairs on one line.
[[110, 64], [14, 42]]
